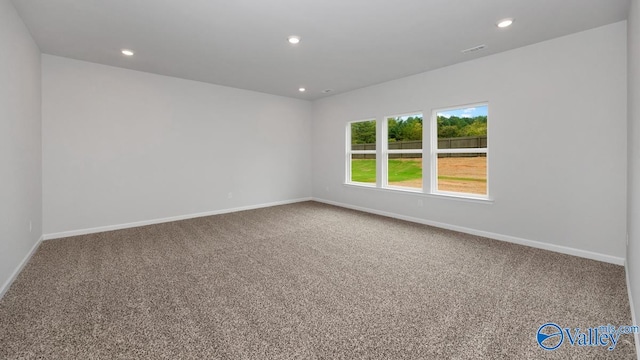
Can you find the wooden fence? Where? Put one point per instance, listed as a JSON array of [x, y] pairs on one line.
[[469, 142]]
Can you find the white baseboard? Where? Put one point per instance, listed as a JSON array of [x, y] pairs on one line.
[[511, 239], [99, 229], [7, 284], [633, 311]]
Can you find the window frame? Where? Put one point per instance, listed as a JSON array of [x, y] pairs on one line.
[[386, 152], [434, 152], [350, 152]]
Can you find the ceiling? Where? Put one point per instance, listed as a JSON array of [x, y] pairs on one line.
[[346, 44]]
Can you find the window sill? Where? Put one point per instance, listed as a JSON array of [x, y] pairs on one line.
[[361, 185], [452, 196]]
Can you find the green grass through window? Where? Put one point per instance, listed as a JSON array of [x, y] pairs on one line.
[[399, 170], [364, 170]]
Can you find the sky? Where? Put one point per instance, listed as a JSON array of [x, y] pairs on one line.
[[470, 112]]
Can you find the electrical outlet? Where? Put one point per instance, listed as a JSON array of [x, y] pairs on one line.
[[230, 195], [326, 188], [420, 203]]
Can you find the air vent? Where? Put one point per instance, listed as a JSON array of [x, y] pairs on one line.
[[474, 49], [326, 91]]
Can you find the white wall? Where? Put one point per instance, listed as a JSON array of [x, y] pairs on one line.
[[122, 146], [20, 149], [557, 142], [633, 249]]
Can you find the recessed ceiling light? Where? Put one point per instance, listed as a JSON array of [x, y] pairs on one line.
[[127, 52], [302, 89], [294, 39], [504, 23]]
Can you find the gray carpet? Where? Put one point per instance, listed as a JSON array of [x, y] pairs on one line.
[[303, 281]]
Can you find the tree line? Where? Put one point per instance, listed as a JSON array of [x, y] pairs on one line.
[[411, 129], [461, 127]]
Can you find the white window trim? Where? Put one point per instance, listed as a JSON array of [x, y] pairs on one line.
[[429, 181], [435, 151], [386, 151], [350, 152]]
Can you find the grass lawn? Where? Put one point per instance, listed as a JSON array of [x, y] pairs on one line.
[[403, 170], [364, 170], [399, 170]]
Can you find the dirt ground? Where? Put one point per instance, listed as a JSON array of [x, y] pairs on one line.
[[471, 168]]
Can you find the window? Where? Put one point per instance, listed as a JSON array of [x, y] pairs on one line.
[[456, 163], [459, 150], [361, 152], [403, 151]]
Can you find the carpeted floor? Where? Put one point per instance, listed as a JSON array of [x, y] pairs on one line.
[[303, 281]]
